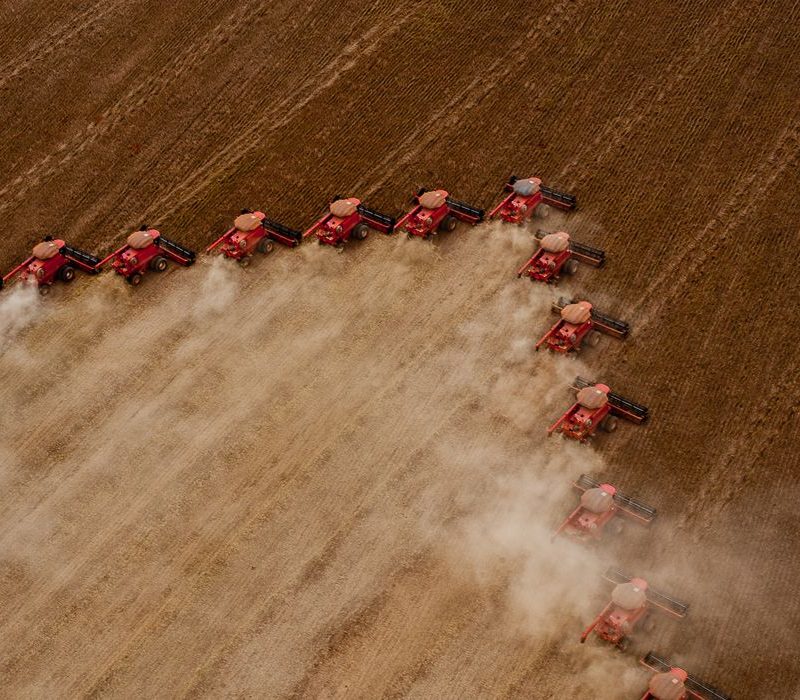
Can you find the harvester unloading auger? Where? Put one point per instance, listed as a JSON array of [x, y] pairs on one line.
[[53, 260], [671, 682], [631, 605], [436, 210], [525, 195], [253, 232], [579, 325]]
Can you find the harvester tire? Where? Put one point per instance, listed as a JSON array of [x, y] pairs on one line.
[[608, 424], [265, 246], [360, 232], [134, 280], [570, 267], [158, 263], [44, 290], [67, 273], [244, 261], [448, 223], [592, 339]]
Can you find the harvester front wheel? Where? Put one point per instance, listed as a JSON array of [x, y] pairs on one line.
[[616, 527], [360, 232], [135, 279], [67, 273], [265, 246], [608, 424], [448, 223], [570, 267], [158, 263], [592, 338]]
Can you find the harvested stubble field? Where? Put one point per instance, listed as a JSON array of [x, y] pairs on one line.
[[326, 476]]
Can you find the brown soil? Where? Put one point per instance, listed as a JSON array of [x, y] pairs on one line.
[[326, 475]]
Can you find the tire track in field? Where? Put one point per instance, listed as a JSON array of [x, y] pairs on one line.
[[453, 110], [737, 464], [195, 49], [56, 39], [619, 129], [281, 113], [750, 189]]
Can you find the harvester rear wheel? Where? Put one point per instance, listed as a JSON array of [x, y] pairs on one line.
[[244, 261], [592, 338], [158, 263], [134, 280], [608, 424], [265, 246], [67, 273], [570, 267], [448, 223], [360, 232], [44, 290]]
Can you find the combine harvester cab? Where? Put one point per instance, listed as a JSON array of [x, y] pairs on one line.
[[559, 255], [632, 602], [52, 260], [580, 325], [253, 232], [436, 210], [346, 219], [524, 196], [673, 683], [146, 249], [596, 406], [599, 505]]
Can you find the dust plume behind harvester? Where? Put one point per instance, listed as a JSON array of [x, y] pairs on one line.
[[524, 195], [348, 218], [579, 325], [596, 406], [50, 261], [558, 255], [252, 232], [602, 508], [146, 249], [436, 211], [673, 683], [631, 605]]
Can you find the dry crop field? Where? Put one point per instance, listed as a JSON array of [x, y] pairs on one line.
[[327, 475]]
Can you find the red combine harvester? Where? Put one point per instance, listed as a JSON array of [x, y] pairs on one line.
[[147, 249], [346, 219], [519, 205], [596, 406], [599, 505], [632, 601], [673, 683], [52, 260], [436, 210], [253, 232], [580, 325], [558, 255]]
